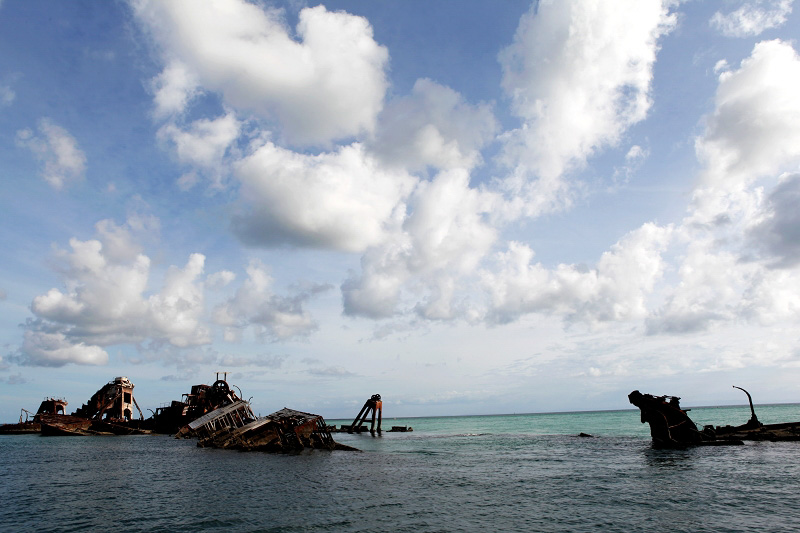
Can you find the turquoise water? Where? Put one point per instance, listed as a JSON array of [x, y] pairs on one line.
[[494, 473]]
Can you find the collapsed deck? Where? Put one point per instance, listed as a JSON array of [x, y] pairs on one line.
[[235, 427]]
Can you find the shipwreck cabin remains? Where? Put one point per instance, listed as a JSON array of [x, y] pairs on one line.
[[201, 400]]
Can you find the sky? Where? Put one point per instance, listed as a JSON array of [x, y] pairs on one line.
[[468, 207]]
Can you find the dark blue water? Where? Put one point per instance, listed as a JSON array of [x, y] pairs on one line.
[[505, 473]]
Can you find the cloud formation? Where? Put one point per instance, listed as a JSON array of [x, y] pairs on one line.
[[344, 200], [274, 317], [62, 160], [579, 75], [752, 17], [327, 84], [614, 290]]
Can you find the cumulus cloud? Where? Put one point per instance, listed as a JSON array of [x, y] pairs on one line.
[[752, 17], [754, 130], [443, 238], [615, 290], [578, 74], [274, 317], [328, 84], [433, 126], [203, 144], [739, 241], [778, 233], [62, 160], [104, 303], [173, 89], [341, 200]]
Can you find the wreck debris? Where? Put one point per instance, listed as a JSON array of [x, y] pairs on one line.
[[235, 427], [373, 405], [32, 422], [114, 401], [671, 427], [201, 400], [108, 412]]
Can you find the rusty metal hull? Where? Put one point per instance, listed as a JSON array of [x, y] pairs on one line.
[[20, 428], [64, 425]]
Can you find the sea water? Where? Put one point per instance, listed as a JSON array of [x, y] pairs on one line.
[[479, 473]]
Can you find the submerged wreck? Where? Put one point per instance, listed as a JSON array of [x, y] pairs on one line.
[[671, 427], [234, 426]]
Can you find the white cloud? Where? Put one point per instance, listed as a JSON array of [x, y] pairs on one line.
[[55, 349], [615, 290], [579, 75], [274, 317], [104, 303], [203, 145], [342, 200], [173, 89], [443, 239], [433, 126], [7, 95], [328, 84], [220, 279], [752, 17], [736, 236], [754, 130], [63, 161]]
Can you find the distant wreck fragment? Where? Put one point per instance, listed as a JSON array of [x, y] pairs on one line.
[[671, 427], [31, 423], [108, 412], [372, 406], [235, 427]]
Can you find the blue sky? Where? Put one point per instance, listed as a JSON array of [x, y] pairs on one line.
[[467, 207]]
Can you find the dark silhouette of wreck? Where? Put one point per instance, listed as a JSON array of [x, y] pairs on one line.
[[671, 427]]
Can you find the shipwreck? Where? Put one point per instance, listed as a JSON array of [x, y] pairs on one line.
[[234, 426], [671, 427]]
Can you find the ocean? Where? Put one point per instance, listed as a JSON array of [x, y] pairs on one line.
[[527, 472]]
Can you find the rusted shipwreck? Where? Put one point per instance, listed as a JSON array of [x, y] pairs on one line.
[[108, 412], [671, 427], [234, 426], [201, 400], [31, 422]]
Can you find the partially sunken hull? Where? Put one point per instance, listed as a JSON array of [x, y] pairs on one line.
[[235, 427], [65, 426], [671, 427]]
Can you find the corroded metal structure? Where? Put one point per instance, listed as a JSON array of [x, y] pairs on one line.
[[235, 427], [671, 427], [201, 400], [114, 401], [372, 406]]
